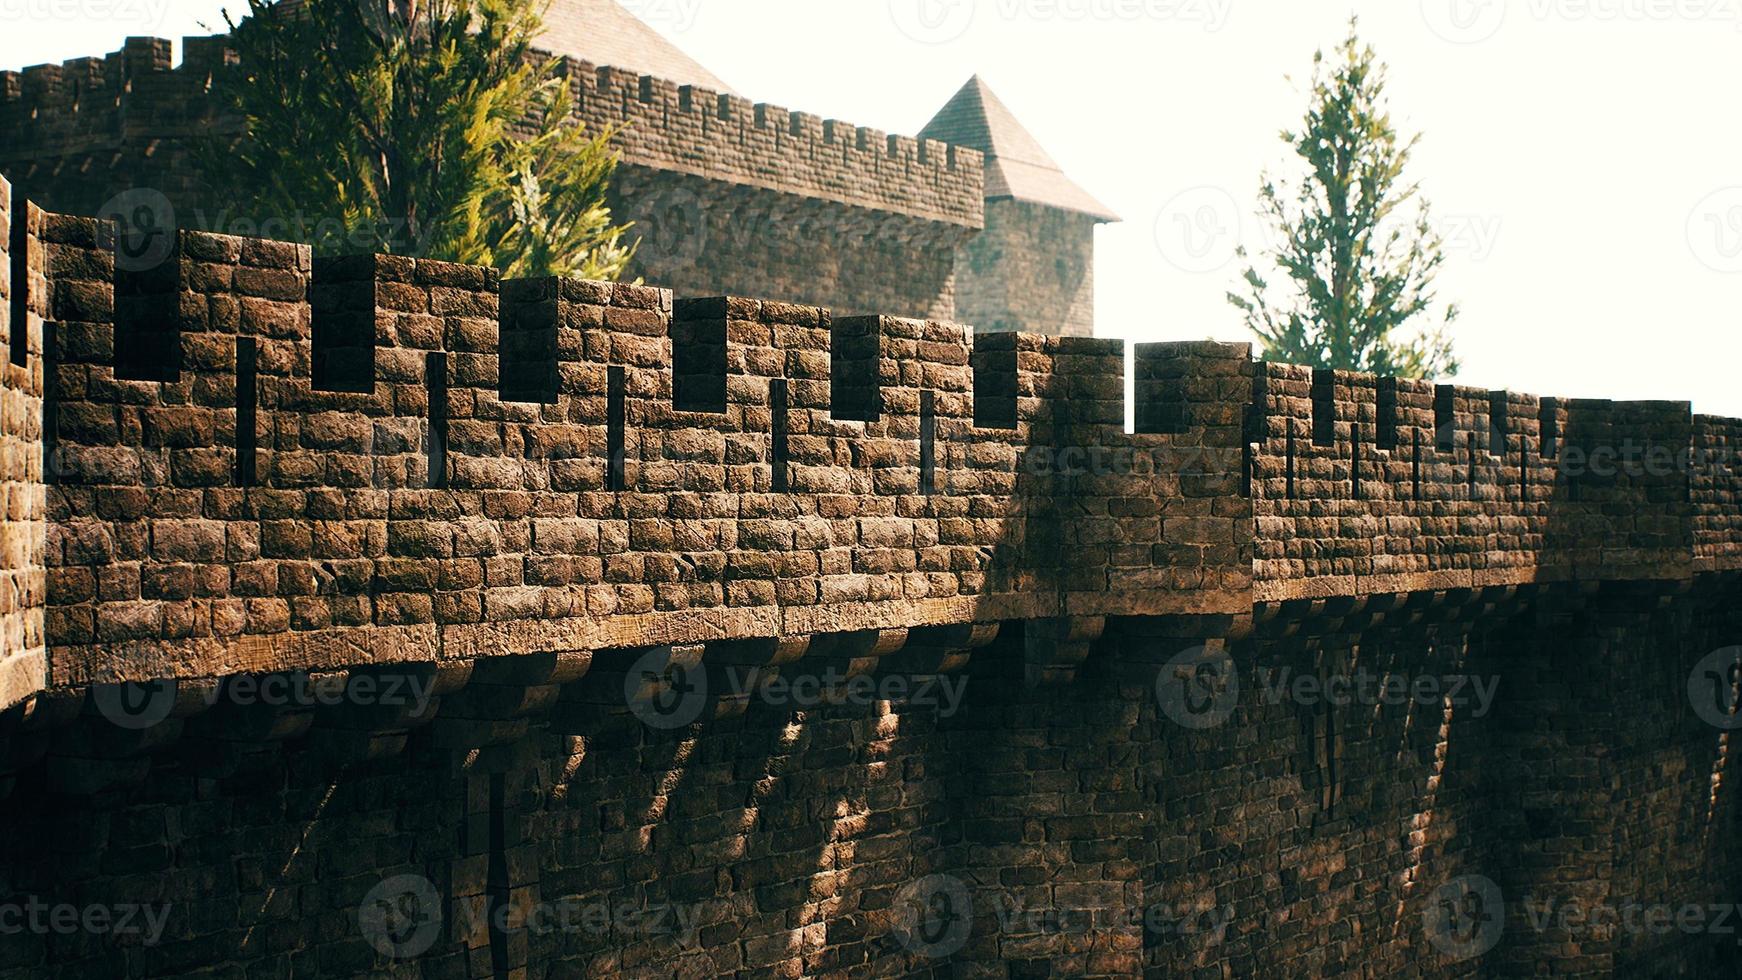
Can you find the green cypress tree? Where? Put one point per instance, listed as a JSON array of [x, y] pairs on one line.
[[1354, 270], [429, 129]]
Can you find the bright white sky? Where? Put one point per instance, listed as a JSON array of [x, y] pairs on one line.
[[1583, 155]]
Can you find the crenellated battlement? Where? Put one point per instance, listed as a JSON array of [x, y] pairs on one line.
[[248, 443], [244, 443], [1406, 485], [418, 571], [53, 106], [667, 125], [88, 107]]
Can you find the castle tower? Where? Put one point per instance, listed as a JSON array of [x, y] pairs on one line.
[[1033, 268]]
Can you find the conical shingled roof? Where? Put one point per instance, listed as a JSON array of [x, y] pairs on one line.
[[603, 32], [1016, 165]]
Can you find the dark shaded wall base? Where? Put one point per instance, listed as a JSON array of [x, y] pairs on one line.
[[1093, 835]]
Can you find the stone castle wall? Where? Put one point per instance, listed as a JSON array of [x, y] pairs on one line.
[[22, 498], [1033, 268], [727, 196], [594, 527], [1371, 484], [249, 443]]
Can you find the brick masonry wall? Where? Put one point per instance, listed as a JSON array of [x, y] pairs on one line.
[[441, 520], [22, 594], [1032, 269], [1454, 487], [1075, 829], [770, 845], [1716, 492], [701, 237], [585, 519], [1633, 811]]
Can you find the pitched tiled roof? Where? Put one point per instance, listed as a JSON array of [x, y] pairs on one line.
[[603, 32], [1016, 165]]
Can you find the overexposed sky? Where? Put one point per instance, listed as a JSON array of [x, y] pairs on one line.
[[1583, 156]]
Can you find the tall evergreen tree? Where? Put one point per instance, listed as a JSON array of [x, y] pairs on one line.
[[1353, 271], [419, 128]]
